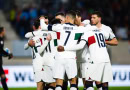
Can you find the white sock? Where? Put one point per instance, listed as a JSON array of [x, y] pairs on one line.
[[50, 89], [73, 88], [58, 88], [99, 88], [90, 88]]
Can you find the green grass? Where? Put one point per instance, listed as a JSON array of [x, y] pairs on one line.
[[81, 88]]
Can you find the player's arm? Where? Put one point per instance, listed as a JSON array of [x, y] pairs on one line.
[[112, 42], [30, 43], [112, 38], [78, 46], [55, 27], [2, 51], [43, 46], [31, 34]]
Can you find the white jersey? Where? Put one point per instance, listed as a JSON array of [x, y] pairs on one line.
[[68, 35], [108, 30], [96, 44], [37, 54], [51, 49]]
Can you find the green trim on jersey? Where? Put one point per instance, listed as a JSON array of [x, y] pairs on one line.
[[55, 42], [77, 36]]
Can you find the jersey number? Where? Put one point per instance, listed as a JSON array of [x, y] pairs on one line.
[[33, 54], [68, 32], [100, 39], [48, 48]]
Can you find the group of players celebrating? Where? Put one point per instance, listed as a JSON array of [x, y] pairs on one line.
[[66, 49]]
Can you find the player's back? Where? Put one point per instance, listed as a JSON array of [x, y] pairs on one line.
[[97, 47], [68, 36]]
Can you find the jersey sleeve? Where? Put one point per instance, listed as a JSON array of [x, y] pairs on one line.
[[78, 46], [31, 34], [85, 36], [111, 34], [26, 46]]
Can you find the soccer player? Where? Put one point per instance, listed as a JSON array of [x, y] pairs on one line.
[[60, 16], [82, 55], [44, 73], [3, 52], [100, 68], [96, 19], [67, 35]]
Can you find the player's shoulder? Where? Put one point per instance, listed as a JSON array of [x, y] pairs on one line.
[[106, 27], [32, 34]]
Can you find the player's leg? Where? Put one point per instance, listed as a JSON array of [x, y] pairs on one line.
[[3, 79], [71, 71], [58, 73], [107, 76], [83, 71], [105, 86], [40, 85], [89, 85], [84, 83], [101, 86], [65, 83], [3, 82], [59, 83], [98, 85], [52, 86], [78, 74], [48, 77], [73, 85]]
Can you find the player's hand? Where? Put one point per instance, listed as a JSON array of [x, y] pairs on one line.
[[10, 56], [31, 43], [49, 37], [60, 49]]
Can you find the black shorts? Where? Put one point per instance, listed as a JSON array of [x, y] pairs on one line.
[[1, 70]]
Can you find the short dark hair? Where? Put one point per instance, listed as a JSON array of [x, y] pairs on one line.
[[72, 14], [55, 21], [1, 29], [60, 13], [98, 13], [78, 13], [36, 23]]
